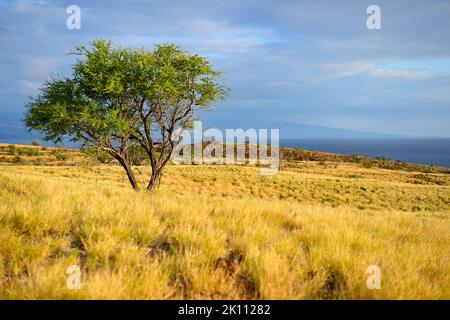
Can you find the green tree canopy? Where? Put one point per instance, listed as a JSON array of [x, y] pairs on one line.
[[117, 98]]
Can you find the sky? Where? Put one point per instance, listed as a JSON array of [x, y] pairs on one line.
[[287, 62]]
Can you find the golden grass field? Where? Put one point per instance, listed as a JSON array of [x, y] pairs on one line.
[[222, 232]]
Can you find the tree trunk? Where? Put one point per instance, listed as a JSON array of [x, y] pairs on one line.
[[155, 180], [130, 174]]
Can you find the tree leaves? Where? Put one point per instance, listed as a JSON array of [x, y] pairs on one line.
[[117, 96]]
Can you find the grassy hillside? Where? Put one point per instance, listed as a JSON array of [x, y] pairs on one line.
[[223, 232]]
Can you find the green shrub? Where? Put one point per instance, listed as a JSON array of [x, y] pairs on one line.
[[103, 157], [137, 155], [61, 155], [98, 155], [34, 152], [38, 162], [12, 149], [28, 152], [366, 163], [18, 160], [35, 143]]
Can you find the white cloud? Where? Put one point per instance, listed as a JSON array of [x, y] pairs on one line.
[[402, 74], [360, 67], [28, 87], [38, 67]]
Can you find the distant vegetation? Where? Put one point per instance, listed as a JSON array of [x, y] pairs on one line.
[[37, 155], [290, 155], [289, 158]]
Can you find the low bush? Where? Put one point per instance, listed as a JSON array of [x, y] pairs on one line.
[[12, 149], [61, 155]]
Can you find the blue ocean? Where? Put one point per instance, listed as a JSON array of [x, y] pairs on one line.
[[422, 151]]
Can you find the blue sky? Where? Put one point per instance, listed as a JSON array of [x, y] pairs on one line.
[[287, 62]]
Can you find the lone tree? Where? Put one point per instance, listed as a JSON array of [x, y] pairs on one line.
[[119, 98]]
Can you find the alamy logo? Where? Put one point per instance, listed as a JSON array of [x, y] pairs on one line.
[[241, 147], [73, 281], [374, 20], [74, 19], [374, 278]]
